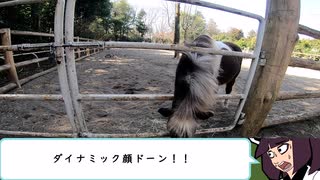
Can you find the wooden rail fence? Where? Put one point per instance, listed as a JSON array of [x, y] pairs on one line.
[[11, 66]]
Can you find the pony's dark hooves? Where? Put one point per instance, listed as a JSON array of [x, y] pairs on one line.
[[166, 112], [204, 115]]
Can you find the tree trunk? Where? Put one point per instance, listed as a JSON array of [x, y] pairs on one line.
[[35, 17], [177, 29]]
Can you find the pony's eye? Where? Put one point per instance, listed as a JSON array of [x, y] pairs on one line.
[[270, 154], [283, 148]]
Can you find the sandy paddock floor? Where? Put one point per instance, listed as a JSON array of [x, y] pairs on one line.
[[128, 71]]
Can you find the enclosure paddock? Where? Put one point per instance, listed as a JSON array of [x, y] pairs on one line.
[[128, 71], [90, 108]]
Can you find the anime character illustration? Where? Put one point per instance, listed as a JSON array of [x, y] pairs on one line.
[[289, 158]]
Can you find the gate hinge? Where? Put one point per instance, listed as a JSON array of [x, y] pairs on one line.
[[262, 58]]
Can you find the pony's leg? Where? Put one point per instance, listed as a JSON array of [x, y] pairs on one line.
[[179, 95], [229, 86]]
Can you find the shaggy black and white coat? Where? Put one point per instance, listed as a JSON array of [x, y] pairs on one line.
[[198, 77]]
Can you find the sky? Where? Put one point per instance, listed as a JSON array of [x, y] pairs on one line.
[[309, 13]]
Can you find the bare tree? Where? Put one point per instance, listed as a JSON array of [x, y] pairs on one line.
[[212, 28], [169, 12], [160, 22], [151, 20]]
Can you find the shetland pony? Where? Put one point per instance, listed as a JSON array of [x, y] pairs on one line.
[[197, 80]]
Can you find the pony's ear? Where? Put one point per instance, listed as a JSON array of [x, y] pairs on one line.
[[255, 140]]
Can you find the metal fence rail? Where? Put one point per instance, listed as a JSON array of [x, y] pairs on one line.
[[70, 95], [25, 47], [73, 86], [283, 96], [67, 73], [29, 33], [220, 7], [142, 97], [133, 45], [46, 97]]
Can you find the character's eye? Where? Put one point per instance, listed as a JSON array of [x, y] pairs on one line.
[[271, 154], [283, 148]]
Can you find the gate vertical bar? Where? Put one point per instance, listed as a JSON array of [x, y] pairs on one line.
[[255, 61], [61, 66], [71, 66]]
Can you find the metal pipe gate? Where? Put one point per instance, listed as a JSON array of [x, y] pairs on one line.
[[64, 42]]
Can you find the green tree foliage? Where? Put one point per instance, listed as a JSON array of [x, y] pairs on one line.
[[34, 17], [246, 43], [235, 33], [96, 29], [186, 23], [122, 21], [308, 48], [140, 23], [92, 18], [192, 25], [97, 19], [199, 25], [223, 36]]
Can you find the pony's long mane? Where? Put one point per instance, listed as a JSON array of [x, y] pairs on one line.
[[203, 86]]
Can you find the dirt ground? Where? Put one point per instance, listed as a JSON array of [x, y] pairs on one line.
[[125, 71]]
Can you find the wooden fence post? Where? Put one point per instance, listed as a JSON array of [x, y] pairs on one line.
[[94, 49], [278, 43], [88, 50], [78, 49], [8, 55]]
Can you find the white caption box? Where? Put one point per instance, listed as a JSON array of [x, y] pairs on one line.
[[125, 159]]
